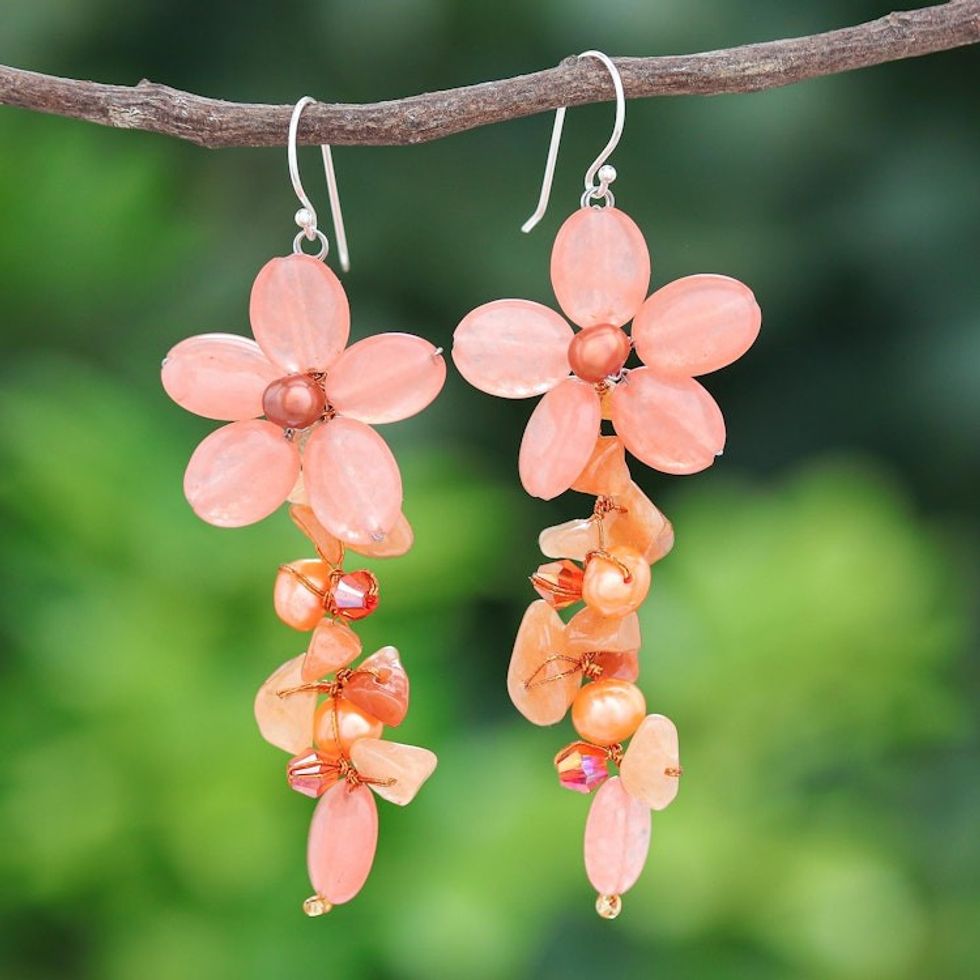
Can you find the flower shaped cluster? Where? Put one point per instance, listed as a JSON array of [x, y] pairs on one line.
[[600, 272], [319, 401]]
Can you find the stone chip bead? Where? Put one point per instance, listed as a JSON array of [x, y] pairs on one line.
[[608, 711], [294, 402], [598, 352], [616, 584], [338, 723]]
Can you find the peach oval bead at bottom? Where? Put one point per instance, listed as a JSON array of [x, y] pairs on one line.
[[342, 843], [608, 591], [617, 839], [338, 723], [608, 711]]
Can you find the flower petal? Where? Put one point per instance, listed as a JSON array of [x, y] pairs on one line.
[[696, 324], [352, 480], [241, 473], [218, 375], [299, 313], [512, 348], [407, 766], [600, 267], [385, 378], [559, 438], [672, 424]]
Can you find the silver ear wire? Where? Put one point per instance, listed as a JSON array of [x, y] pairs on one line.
[[599, 169], [306, 215]]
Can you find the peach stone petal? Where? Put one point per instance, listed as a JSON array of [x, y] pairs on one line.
[[398, 541], [559, 437], [219, 376], [240, 473], [352, 480], [385, 378], [617, 839], [342, 843], [640, 526], [512, 348], [286, 722], [408, 766], [532, 682], [299, 313], [651, 765], [379, 686], [574, 539], [606, 473], [588, 630], [671, 424], [327, 546], [600, 267], [333, 646], [696, 324]]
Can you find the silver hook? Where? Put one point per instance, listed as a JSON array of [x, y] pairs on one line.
[[606, 174], [306, 215]]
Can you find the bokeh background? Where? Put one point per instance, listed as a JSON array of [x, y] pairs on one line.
[[812, 634]]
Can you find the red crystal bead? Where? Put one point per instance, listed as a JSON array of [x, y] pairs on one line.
[[582, 767], [354, 595], [312, 773], [559, 583]]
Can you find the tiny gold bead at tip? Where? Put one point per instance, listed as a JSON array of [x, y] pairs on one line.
[[315, 906], [609, 906]]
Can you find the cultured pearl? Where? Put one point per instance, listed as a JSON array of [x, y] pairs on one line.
[[606, 589], [607, 711], [298, 594], [294, 402], [597, 352], [352, 724]]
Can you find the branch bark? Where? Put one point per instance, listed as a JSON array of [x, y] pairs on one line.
[[420, 118]]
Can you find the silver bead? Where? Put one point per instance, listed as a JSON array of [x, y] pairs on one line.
[[304, 218], [607, 173]]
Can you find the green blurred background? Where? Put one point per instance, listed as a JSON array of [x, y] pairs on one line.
[[812, 634]]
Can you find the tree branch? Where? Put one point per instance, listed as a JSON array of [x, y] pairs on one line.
[[420, 118]]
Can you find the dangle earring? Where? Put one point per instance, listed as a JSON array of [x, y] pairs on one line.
[[600, 272], [316, 448]]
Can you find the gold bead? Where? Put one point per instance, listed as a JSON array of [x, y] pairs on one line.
[[315, 906], [609, 906]]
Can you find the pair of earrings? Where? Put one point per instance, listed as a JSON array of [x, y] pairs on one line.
[[301, 405]]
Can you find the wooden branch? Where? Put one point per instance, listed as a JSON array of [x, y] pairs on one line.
[[420, 118]]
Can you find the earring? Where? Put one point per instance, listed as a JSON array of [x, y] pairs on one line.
[[600, 271], [316, 448]]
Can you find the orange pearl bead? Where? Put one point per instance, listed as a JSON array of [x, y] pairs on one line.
[[597, 352], [607, 711], [294, 402], [335, 729], [611, 592], [299, 591]]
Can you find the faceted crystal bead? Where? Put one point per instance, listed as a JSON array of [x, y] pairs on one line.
[[606, 473], [312, 773], [617, 839], [540, 680], [354, 595], [286, 720], [559, 583], [298, 595], [617, 584], [573, 539], [338, 723], [394, 771], [582, 767], [651, 765], [343, 840], [379, 686], [333, 645]]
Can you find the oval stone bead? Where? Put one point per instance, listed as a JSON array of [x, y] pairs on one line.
[[617, 839], [218, 375], [352, 481], [379, 686], [651, 764], [398, 541], [333, 646], [600, 267], [512, 348], [533, 683], [696, 324], [299, 313], [299, 590], [384, 378], [342, 843], [286, 722], [606, 473], [672, 424], [407, 766], [559, 439], [241, 473]]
